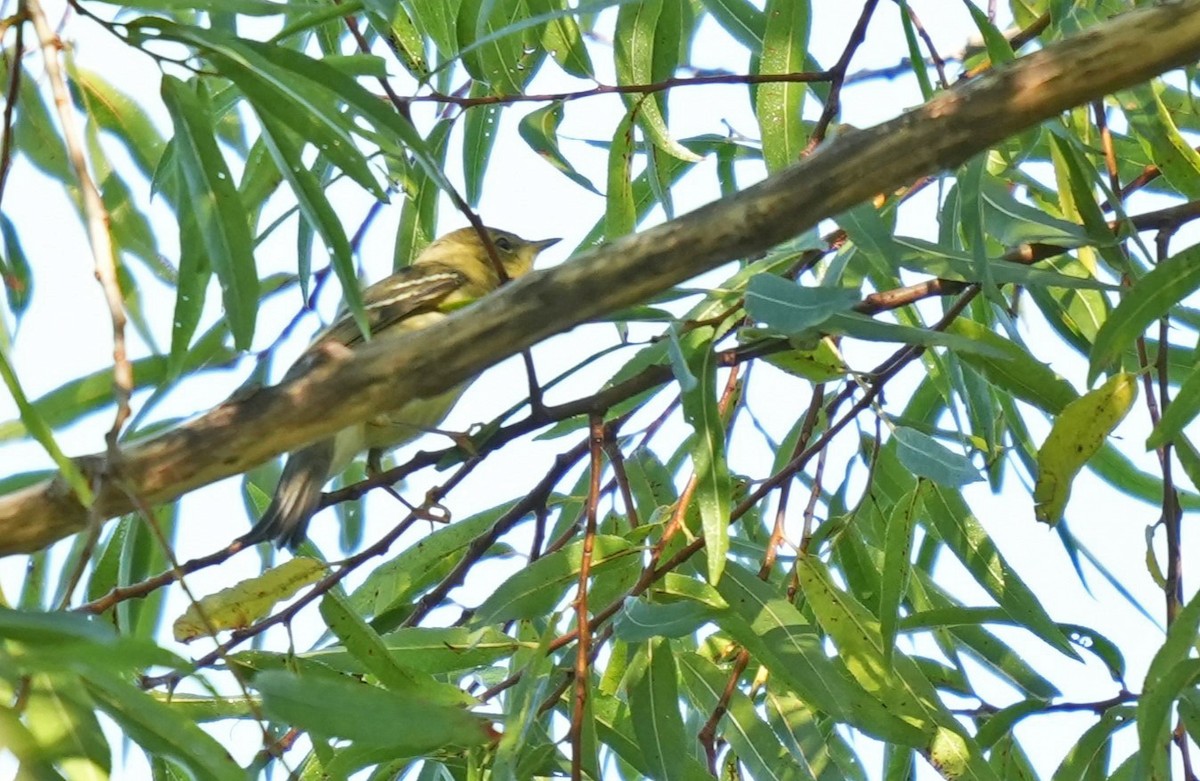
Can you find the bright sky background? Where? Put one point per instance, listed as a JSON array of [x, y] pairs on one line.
[[65, 334]]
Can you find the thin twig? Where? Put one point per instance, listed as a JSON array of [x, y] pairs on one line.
[[97, 220], [598, 435]]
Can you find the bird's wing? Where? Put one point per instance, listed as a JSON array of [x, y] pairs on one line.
[[409, 291]]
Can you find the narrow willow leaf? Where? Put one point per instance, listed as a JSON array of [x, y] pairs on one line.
[[856, 635], [368, 715], [778, 105], [436, 18], [479, 137], [654, 707], [1090, 757], [714, 487], [37, 428], [317, 212], [432, 649], [1151, 297], [897, 564], [362, 642], [561, 37], [641, 620], [220, 219], [748, 735], [620, 212], [287, 85], [1183, 410], [18, 277], [406, 39], [536, 590], [159, 728], [929, 258], [741, 19], [646, 48], [916, 57], [780, 639], [1155, 129], [391, 585], [998, 48], [790, 308], [924, 456], [1079, 431], [1014, 369], [1013, 223], [121, 115], [491, 44], [969, 541], [873, 330], [1171, 671], [418, 216], [540, 130]]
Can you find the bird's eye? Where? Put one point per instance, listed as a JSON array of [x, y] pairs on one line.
[[504, 244]]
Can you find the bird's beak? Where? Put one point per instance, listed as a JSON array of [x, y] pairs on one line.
[[544, 244]]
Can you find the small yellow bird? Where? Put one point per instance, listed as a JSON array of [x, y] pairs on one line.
[[450, 273]]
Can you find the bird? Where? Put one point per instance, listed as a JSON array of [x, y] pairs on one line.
[[450, 273]]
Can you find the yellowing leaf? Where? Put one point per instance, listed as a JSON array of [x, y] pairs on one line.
[[241, 605], [1077, 434]]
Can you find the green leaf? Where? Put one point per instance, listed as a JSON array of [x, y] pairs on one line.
[[1150, 298], [400, 722], [391, 586], [1012, 368], [18, 277], [751, 739], [540, 130], [1171, 671], [780, 639], [436, 18], [561, 37], [654, 706], [361, 641], [790, 308], [929, 258], [159, 728], [741, 19], [33, 422], [778, 105], [317, 211], [536, 589], [897, 564], [429, 650], [1154, 127], [924, 456], [216, 208], [969, 541], [1182, 411], [479, 136], [714, 488], [620, 212], [1091, 755], [646, 46], [641, 620]]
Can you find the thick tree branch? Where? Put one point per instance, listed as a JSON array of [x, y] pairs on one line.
[[943, 133]]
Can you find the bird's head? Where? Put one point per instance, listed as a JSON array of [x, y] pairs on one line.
[[465, 251]]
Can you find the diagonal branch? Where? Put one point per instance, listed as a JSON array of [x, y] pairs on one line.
[[943, 133]]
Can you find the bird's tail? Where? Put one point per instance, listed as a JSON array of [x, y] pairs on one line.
[[296, 497]]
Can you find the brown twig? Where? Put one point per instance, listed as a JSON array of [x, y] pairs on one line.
[[97, 220], [598, 435], [12, 95], [838, 74]]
